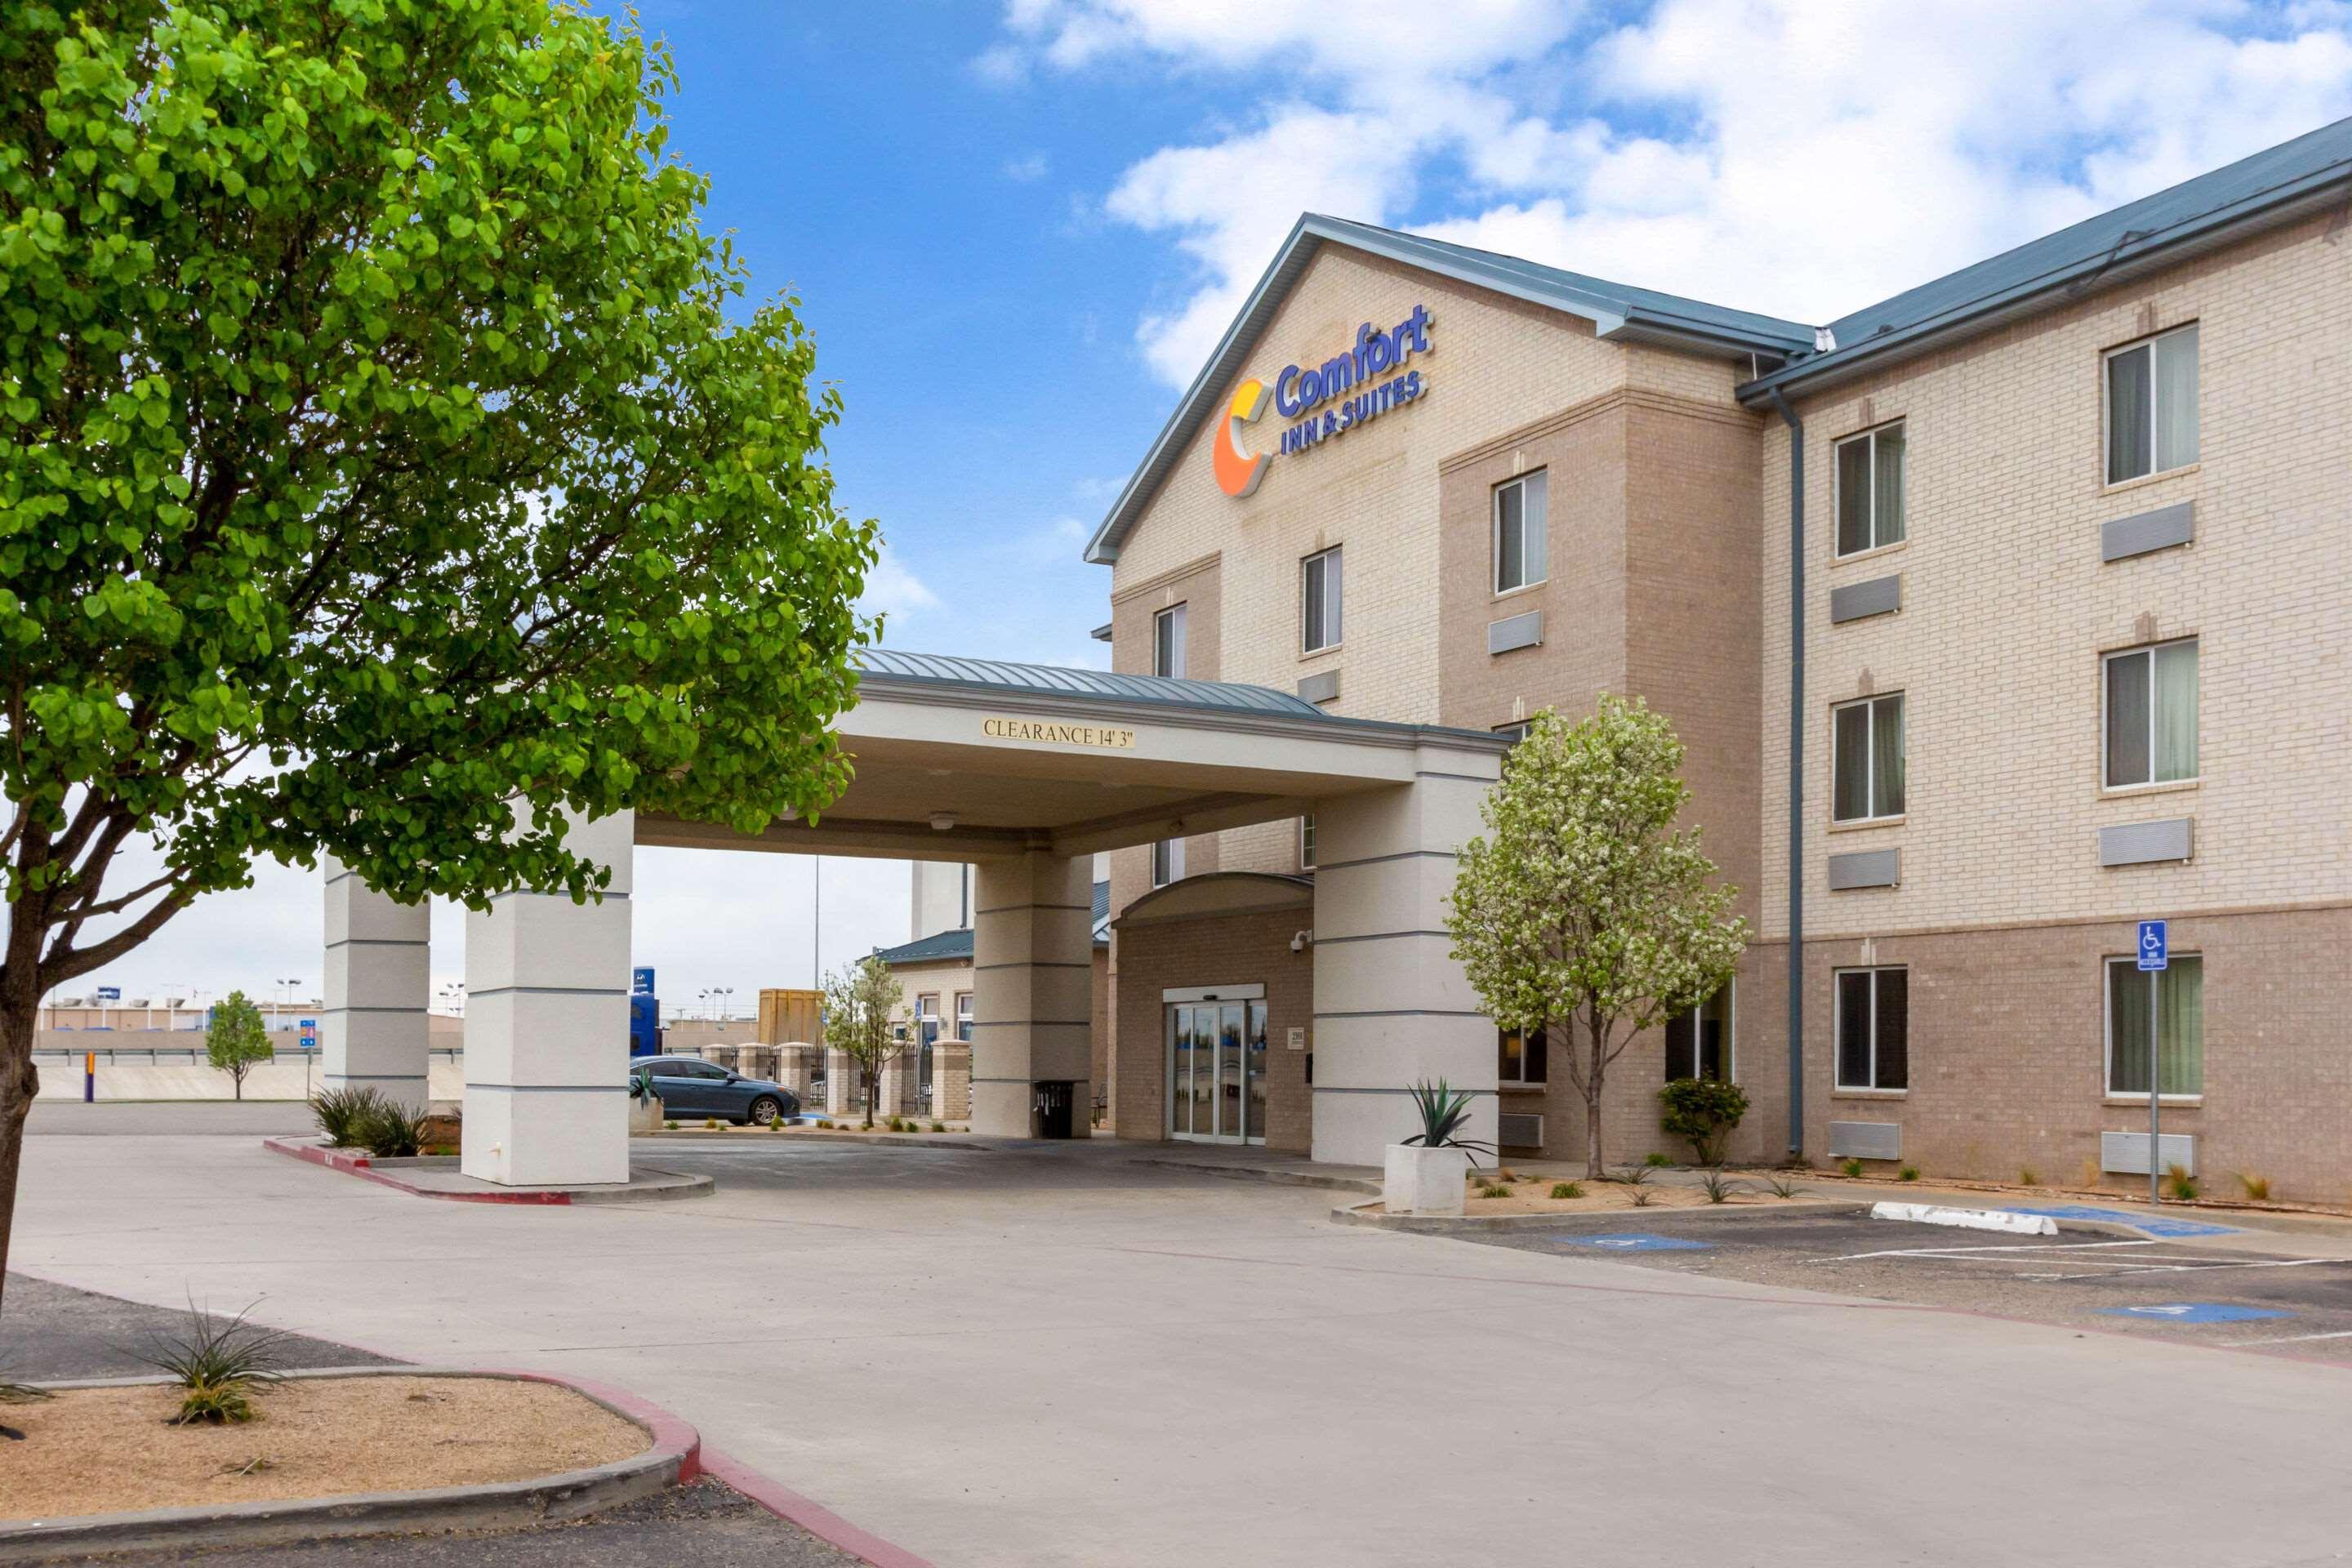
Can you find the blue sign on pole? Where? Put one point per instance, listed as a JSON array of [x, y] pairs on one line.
[[2153, 938], [110, 992], [641, 981]]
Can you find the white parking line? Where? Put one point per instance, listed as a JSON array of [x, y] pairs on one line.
[[2290, 1339], [1961, 1253]]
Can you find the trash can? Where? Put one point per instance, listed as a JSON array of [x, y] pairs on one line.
[[1052, 1108]]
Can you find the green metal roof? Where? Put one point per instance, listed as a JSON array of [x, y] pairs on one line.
[[2080, 256], [936, 948], [1055, 681]]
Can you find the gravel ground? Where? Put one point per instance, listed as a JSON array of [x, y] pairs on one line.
[[52, 1331]]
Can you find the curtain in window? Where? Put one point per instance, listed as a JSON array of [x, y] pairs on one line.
[[1893, 1028], [1850, 790], [2130, 1024], [2176, 399], [1510, 534], [1890, 485], [2180, 1026], [1853, 1030], [1887, 758], [1311, 617], [1535, 504], [2174, 721], [2128, 718], [1853, 496], [1331, 609], [2129, 456]]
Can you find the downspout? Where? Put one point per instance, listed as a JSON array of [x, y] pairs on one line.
[[1796, 771]]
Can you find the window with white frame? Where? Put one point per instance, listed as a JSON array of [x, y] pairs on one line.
[[1870, 489], [1874, 1029], [1866, 759], [2152, 405], [1318, 616], [1698, 1040], [1306, 842], [1516, 730], [2156, 1014], [1522, 535], [1167, 861], [963, 1016], [2151, 714], [1522, 1057], [1168, 642]]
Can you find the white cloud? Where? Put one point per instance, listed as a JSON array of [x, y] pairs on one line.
[[1028, 170], [1804, 157], [893, 590]]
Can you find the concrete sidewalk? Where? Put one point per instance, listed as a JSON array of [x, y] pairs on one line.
[[1026, 1359]]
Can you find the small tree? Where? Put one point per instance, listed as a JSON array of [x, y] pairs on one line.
[[1585, 912], [234, 1039], [858, 1001]]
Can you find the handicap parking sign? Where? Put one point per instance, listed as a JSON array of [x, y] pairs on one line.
[[2198, 1312], [2153, 939], [1630, 1241]]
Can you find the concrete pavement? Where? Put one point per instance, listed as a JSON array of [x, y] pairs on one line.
[[1002, 1357]]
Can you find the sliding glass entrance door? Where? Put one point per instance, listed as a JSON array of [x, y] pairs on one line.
[[1216, 1072]]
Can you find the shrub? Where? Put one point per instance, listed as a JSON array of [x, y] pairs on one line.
[[1851, 1167], [1656, 1160], [1908, 1174], [2028, 1177], [1782, 1186], [1494, 1190], [939, 1126], [340, 1112], [217, 1362], [710, 1124], [1719, 1187], [2181, 1184], [389, 1131], [669, 1126], [2257, 1187], [1568, 1189], [1643, 1197], [1702, 1111], [1633, 1175]]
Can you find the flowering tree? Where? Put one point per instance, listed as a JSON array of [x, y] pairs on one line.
[[1585, 912], [858, 1001]]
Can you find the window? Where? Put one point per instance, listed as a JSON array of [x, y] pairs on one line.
[[1168, 642], [1866, 760], [2160, 1011], [1306, 842], [1521, 1058], [1874, 1029], [2152, 406], [2151, 701], [1870, 491], [1514, 732], [963, 1016], [1319, 602], [1167, 861], [1698, 1042], [1522, 539]]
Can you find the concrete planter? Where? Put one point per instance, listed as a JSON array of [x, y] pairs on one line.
[[646, 1114], [1421, 1181]]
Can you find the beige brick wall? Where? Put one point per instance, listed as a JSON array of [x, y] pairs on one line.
[[1213, 949]]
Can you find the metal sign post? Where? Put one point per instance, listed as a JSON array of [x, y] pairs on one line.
[[2154, 953]]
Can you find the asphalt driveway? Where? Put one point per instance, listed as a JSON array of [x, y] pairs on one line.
[[1040, 1358]]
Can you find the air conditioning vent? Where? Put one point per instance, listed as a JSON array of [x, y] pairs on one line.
[[1519, 1131], [1867, 1139], [2125, 1153]]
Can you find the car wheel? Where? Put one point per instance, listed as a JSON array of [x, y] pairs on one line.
[[765, 1110]]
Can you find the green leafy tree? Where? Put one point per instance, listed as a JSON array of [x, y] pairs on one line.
[[234, 1039], [1585, 912], [389, 466], [858, 1001]]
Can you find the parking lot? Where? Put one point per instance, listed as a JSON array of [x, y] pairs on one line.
[[2207, 1287]]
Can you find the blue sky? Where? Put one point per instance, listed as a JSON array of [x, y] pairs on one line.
[[1017, 229]]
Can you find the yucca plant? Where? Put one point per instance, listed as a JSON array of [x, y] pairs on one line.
[[1717, 1186], [1443, 1111], [389, 1131], [217, 1362], [1783, 1187], [1633, 1175], [1643, 1197], [341, 1111]]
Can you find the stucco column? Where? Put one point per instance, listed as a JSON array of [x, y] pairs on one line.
[[376, 980], [1033, 976], [1391, 1006], [546, 1020]]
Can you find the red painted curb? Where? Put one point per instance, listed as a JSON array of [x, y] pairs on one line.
[[360, 1167], [670, 1432], [810, 1515]]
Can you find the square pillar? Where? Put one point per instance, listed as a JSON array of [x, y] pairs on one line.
[[1391, 1006], [1032, 983], [547, 1023], [376, 980]]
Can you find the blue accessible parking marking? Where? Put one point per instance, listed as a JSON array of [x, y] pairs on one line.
[[1630, 1241], [2196, 1313], [2153, 1225]]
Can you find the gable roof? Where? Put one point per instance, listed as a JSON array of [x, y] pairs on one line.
[[1615, 309], [936, 948], [2271, 186]]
